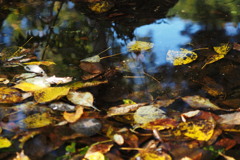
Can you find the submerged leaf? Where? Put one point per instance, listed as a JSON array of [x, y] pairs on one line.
[[200, 102], [49, 94], [101, 6], [36, 121], [4, 142], [181, 57], [10, 95], [138, 46]]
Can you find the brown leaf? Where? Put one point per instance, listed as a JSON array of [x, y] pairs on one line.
[[73, 117], [92, 67], [230, 119], [10, 95]]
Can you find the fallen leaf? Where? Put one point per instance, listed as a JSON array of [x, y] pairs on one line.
[[181, 57], [73, 117], [98, 148], [161, 124], [95, 156], [230, 119], [101, 6], [200, 102], [34, 69], [4, 142], [146, 114], [45, 63], [36, 121], [92, 67], [138, 46], [58, 80], [78, 85], [39, 81], [95, 58], [50, 93], [10, 95], [81, 98], [28, 87], [145, 155], [21, 156], [60, 106]]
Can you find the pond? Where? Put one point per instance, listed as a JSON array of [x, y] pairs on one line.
[[140, 79]]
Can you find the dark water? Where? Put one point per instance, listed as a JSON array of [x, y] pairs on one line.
[[66, 32]]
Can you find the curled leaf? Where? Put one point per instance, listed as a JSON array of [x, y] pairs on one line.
[[73, 117]]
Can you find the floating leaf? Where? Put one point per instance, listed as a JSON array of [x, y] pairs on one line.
[[81, 98], [4, 81], [58, 80], [21, 156], [4, 142], [95, 156], [138, 46], [28, 87], [10, 95], [222, 50], [181, 57], [128, 101], [60, 106], [147, 114], [45, 63], [34, 69], [39, 81], [36, 121], [92, 67], [95, 58], [73, 117], [161, 124], [95, 150], [230, 119], [49, 94], [200, 102], [123, 109]]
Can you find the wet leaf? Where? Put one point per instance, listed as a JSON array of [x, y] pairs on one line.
[[201, 130], [200, 102], [39, 81], [21, 156], [10, 95], [221, 50], [73, 117], [26, 137], [117, 138], [28, 87], [147, 114], [128, 101], [123, 109], [95, 156], [34, 69], [81, 98], [101, 6], [92, 67], [36, 121], [49, 94], [138, 46], [4, 142], [45, 63], [181, 57], [230, 119], [95, 58], [58, 80], [99, 147], [151, 156], [4, 81], [161, 124], [78, 85]]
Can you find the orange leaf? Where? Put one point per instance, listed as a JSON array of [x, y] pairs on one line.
[[73, 117]]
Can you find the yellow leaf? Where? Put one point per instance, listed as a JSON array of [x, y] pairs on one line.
[[201, 130], [21, 156], [78, 85], [223, 49], [152, 156], [36, 121], [138, 46], [101, 6], [46, 63], [181, 57], [10, 95], [95, 156], [50, 93], [4, 142], [73, 117], [28, 87]]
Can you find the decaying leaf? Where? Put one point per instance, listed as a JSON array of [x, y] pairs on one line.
[[138, 46], [73, 117], [161, 124], [97, 150], [28, 136], [101, 6], [147, 114], [60, 106], [36, 121], [95, 156], [4, 81], [221, 50], [39, 81], [4, 142], [201, 130], [200, 102], [10, 95], [92, 67], [58, 80], [181, 57], [45, 63], [81, 98], [49, 94]]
